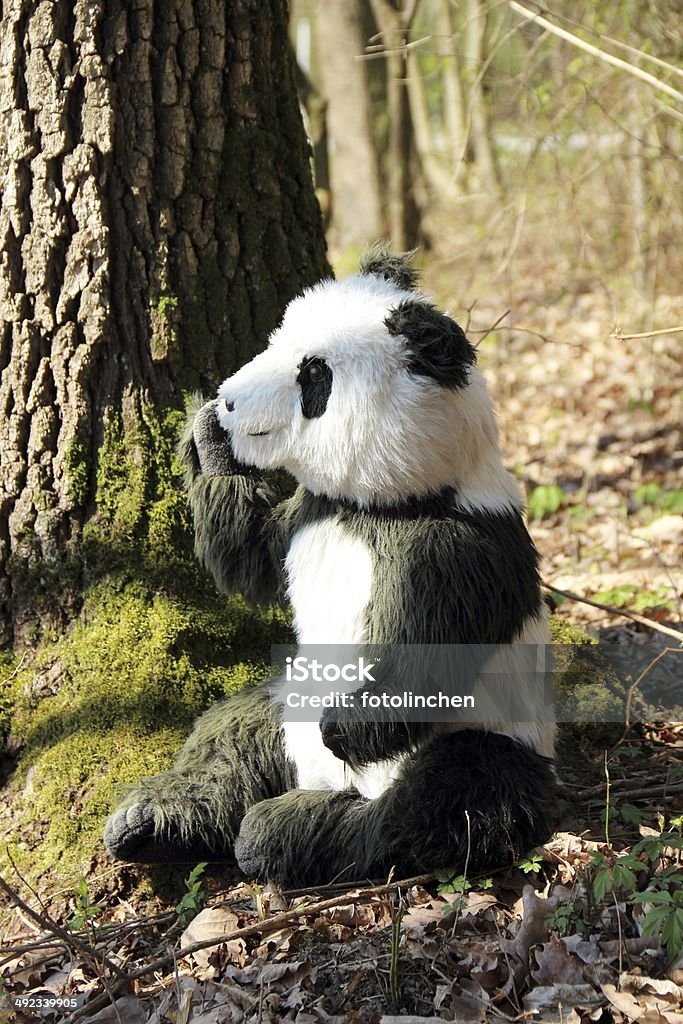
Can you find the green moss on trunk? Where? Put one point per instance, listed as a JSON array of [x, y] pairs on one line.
[[154, 644]]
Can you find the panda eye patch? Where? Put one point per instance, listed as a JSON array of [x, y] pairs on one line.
[[315, 381]]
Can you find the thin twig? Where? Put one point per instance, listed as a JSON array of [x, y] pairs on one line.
[[55, 929], [595, 51], [12, 674], [402, 49], [618, 335], [25, 882], [493, 326], [659, 627], [634, 686], [9, 953], [608, 796]]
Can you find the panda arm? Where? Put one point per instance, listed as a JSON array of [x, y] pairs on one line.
[[473, 582], [238, 534]]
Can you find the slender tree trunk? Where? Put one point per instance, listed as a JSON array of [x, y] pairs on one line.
[[156, 213], [436, 174], [315, 105], [404, 215], [479, 121], [354, 173], [454, 116]]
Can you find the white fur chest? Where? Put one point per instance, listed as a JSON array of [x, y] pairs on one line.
[[329, 577]]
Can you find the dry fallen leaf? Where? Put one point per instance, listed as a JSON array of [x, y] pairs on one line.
[[532, 930], [556, 965], [211, 923], [559, 1003]]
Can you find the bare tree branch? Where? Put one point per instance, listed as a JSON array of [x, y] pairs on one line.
[[595, 51], [659, 627]]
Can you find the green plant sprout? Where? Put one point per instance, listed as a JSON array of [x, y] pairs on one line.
[[196, 896]]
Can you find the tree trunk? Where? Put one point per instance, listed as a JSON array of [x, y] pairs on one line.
[[455, 123], [482, 145], [404, 215], [354, 174], [315, 105], [156, 214]]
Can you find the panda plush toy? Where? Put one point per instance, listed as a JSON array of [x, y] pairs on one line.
[[405, 529]]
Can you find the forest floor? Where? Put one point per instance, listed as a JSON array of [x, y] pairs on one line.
[[588, 927]]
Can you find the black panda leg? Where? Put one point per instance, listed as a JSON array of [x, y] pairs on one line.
[[232, 759], [419, 824]]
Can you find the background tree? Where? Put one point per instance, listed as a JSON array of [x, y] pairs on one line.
[[394, 19], [156, 214], [354, 173]]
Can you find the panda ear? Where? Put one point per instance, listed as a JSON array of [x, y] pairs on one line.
[[396, 267], [437, 346]]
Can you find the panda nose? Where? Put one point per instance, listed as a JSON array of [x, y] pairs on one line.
[[230, 406]]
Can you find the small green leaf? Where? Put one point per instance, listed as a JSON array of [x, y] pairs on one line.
[[624, 877], [646, 494], [630, 814], [672, 933], [545, 500], [602, 884]]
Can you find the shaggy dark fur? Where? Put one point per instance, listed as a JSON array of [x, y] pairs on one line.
[[396, 267], [308, 838], [232, 759], [438, 346]]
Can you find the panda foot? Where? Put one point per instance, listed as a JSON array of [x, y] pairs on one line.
[[249, 852], [300, 838], [129, 836]]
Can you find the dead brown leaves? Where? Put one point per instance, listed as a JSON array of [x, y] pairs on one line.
[[488, 954]]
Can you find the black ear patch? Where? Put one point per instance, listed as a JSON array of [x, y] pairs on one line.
[[438, 347], [396, 267], [315, 380]]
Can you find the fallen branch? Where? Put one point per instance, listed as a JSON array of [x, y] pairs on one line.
[[623, 790], [659, 627]]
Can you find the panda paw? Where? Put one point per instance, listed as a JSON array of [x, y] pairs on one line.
[[127, 829], [360, 743], [249, 847], [212, 443], [130, 836]]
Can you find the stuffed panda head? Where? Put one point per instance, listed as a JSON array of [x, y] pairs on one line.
[[367, 392]]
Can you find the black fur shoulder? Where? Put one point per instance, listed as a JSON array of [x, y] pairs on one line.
[[442, 575]]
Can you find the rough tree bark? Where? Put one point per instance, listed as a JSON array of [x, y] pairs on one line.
[[354, 172], [156, 213]]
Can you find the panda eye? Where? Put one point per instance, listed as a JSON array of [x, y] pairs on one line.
[[315, 382], [314, 372]]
